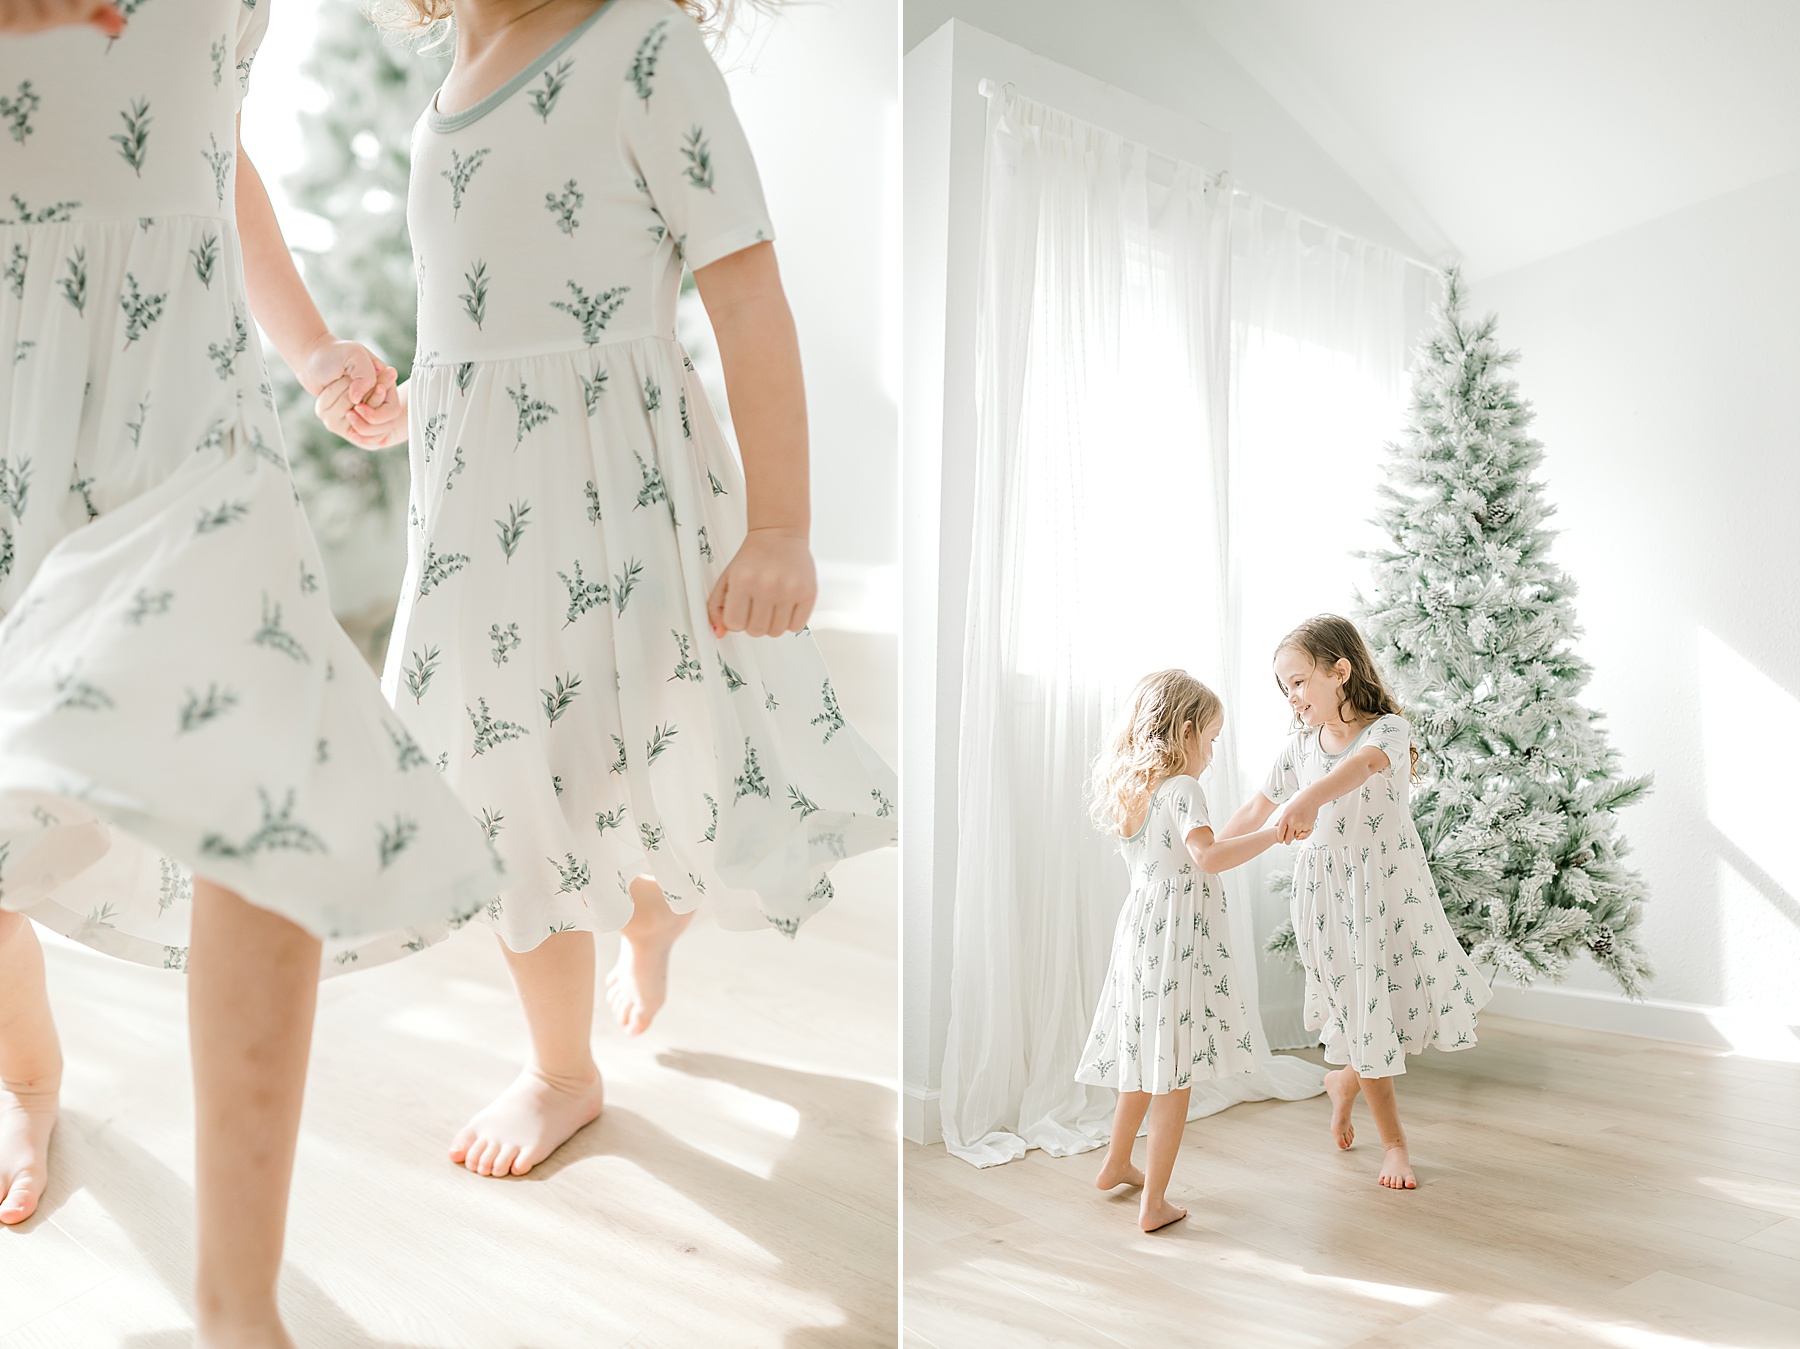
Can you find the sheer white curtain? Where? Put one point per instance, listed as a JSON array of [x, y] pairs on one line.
[[1099, 554], [1318, 337]]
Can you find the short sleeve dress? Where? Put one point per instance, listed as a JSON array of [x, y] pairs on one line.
[[1385, 974], [574, 501], [175, 695], [1171, 1010]]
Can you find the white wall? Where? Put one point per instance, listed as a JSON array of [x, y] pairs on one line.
[[1662, 362], [1145, 71]]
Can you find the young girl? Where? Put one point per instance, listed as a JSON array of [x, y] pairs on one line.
[[185, 731], [1385, 976], [1170, 1011], [590, 643]]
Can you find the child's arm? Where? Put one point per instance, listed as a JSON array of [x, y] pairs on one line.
[[33, 16], [1250, 816], [769, 586], [282, 306], [1220, 855], [1303, 811]]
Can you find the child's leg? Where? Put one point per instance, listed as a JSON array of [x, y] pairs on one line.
[[253, 981], [1168, 1117], [1396, 1167], [30, 1070], [1341, 1085], [640, 981], [560, 1089], [1128, 1115]]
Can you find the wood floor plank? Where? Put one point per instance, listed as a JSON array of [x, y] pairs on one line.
[[1573, 1186]]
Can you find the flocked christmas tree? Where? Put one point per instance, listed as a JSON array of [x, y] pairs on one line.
[[1475, 626], [354, 176]]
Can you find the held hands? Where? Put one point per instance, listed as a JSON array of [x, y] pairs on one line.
[[33, 16], [1298, 820], [768, 588], [354, 393]]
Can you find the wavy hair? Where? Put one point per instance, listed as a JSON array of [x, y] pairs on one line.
[[1148, 744], [1325, 640]]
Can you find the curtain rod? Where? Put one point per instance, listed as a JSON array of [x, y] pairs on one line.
[[1222, 180]]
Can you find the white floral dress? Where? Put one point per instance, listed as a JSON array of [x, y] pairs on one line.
[[1385, 975], [573, 502], [1171, 1010], [175, 696]]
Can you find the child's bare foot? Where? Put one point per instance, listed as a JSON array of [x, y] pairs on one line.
[[1159, 1215], [1396, 1169], [1341, 1086], [27, 1118], [527, 1122], [639, 982], [1112, 1175]]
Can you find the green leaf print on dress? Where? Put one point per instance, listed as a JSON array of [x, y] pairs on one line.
[[395, 838], [733, 680], [277, 638], [418, 674], [557, 699], [219, 161], [491, 730], [206, 257], [438, 568], [506, 641], [653, 489], [624, 583], [14, 274], [217, 52], [562, 207], [74, 285], [583, 594], [642, 74], [279, 832], [832, 718], [750, 782], [512, 529], [591, 389], [224, 354], [800, 801], [574, 873], [533, 412], [686, 667], [609, 819], [225, 513], [459, 174], [543, 101], [652, 397], [592, 312], [74, 694], [698, 154], [407, 754], [17, 109], [56, 214], [475, 297], [660, 740], [141, 310], [134, 141], [147, 604]]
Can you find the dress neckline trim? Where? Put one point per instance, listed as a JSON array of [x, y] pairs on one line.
[[455, 121]]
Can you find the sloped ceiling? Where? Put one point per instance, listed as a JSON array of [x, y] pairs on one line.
[[1506, 131]]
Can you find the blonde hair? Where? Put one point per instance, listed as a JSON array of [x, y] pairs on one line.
[[431, 19], [1149, 744], [1325, 640]]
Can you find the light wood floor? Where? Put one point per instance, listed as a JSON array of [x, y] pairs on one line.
[[1577, 1189], [741, 1188]]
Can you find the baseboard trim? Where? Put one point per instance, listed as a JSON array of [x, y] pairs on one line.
[[920, 1121], [1749, 1031]]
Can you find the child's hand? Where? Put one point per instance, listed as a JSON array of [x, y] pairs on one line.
[[373, 424], [31, 16], [767, 589], [331, 358], [1297, 821]]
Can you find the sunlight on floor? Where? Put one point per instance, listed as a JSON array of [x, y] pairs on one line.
[[1616, 1334], [1252, 1263]]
